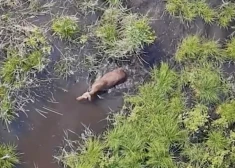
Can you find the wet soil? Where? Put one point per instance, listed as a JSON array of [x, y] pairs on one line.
[[42, 131]]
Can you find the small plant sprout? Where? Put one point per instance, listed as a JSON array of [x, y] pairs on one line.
[[230, 49], [189, 48], [205, 12], [226, 112], [226, 14], [65, 27], [196, 118], [8, 156]]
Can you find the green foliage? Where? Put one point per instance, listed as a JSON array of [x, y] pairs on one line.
[[207, 82], [8, 156], [65, 26], [226, 14], [196, 118]]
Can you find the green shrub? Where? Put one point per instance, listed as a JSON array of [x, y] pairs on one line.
[[8, 156], [226, 14], [65, 27], [196, 118]]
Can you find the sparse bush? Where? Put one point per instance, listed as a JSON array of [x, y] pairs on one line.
[[196, 118], [65, 27], [226, 14], [8, 156]]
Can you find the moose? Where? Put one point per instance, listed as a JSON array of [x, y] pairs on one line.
[[108, 81]]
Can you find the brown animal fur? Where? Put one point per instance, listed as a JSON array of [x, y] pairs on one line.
[[109, 80]]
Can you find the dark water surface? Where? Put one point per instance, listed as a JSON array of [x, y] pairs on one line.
[[38, 136]]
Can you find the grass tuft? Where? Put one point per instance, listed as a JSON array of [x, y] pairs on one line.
[[226, 14], [8, 156], [205, 12], [65, 27], [208, 83], [230, 49], [189, 48], [121, 33]]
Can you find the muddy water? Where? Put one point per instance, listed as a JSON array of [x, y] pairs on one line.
[[38, 136]]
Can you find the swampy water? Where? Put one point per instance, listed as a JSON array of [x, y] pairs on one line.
[[42, 131]]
